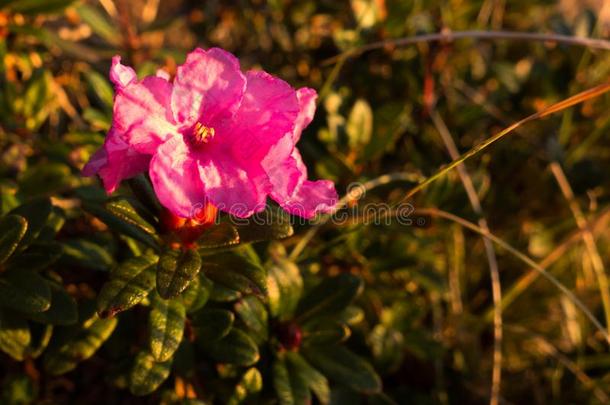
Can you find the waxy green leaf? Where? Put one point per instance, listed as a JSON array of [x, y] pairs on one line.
[[235, 348], [271, 224], [218, 236], [285, 286], [316, 381], [15, 334], [147, 374], [38, 256], [343, 366], [12, 230], [254, 315], [236, 272], [63, 309], [175, 270], [166, 325], [331, 296], [83, 344], [212, 324], [24, 291], [129, 284], [36, 213], [122, 226]]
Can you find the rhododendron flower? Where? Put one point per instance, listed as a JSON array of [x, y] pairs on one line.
[[213, 135]]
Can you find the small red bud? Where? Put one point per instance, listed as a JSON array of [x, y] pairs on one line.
[[289, 335], [188, 230]]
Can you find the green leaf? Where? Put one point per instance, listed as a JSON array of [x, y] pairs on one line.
[[45, 178], [236, 348], [218, 236], [316, 380], [63, 310], [254, 315], [38, 256], [100, 86], [290, 386], [300, 388], [236, 272], [38, 102], [121, 226], [144, 192], [196, 294], [129, 283], [86, 254], [25, 291], [125, 211], [343, 366], [36, 213], [271, 224], [251, 382], [359, 125], [285, 286], [365, 13], [12, 230], [39, 6], [281, 382], [147, 374], [82, 345], [325, 332], [330, 296], [41, 337], [98, 120], [100, 25], [50, 39], [351, 315], [53, 224], [18, 389], [166, 324], [212, 324], [176, 269], [220, 293], [15, 334]]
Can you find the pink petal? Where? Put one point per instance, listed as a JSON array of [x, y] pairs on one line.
[[285, 169], [233, 188], [122, 161], [175, 177], [312, 197], [283, 163], [142, 113], [121, 75], [209, 86], [307, 108], [267, 113], [163, 74], [288, 174], [115, 161], [95, 163]]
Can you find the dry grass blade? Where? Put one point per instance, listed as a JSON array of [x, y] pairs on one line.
[[587, 236], [562, 105], [496, 289], [524, 258], [450, 36]]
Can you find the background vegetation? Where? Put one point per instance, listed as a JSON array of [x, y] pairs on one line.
[[346, 313]]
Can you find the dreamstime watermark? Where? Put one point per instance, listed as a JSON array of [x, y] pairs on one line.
[[347, 211]]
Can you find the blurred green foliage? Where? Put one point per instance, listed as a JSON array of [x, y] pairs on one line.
[[94, 307]]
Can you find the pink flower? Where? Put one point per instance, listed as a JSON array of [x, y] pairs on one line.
[[213, 135]]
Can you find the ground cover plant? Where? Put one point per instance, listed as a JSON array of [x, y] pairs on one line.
[[295, 202]]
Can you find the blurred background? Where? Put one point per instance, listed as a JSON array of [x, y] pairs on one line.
[[428, 303]]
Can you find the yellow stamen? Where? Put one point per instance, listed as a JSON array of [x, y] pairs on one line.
[[203, 134]]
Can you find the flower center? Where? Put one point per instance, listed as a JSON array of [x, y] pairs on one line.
[[202, 134]]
